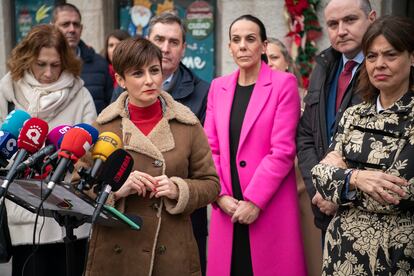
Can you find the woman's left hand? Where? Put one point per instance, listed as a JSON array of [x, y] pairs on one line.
[[165, 187], [246, 213]]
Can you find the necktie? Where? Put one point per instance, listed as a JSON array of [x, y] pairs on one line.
[[343, 81]]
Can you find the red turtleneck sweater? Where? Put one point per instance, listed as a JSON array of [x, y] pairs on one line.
[[145, 118]]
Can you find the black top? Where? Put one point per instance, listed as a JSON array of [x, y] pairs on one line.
[[238, 110], [241, 263]]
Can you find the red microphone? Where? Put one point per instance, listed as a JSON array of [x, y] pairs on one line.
[[75, 144], [30, 140]]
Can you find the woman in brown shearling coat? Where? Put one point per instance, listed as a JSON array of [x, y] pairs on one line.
[[173, 173]]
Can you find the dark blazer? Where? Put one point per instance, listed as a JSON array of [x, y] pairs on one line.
[[312, 138], [96, 76]]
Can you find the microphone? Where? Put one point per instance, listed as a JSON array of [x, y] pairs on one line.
[[116, 170], [9, 132], [90, 129], [106, 144], [15, 121], [52, 140], [30, 140], [75, 144], [8, 147]]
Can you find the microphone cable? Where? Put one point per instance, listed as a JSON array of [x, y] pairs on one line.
[[36, 246]]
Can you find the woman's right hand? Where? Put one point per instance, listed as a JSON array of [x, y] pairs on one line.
[[228, 204], [137, 182], [380, 186]]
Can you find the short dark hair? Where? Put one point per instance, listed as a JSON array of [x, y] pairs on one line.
[[118, 34], [134, 53], [167, 18], [259, 23], [64, 7], [364, 5], [28, 50], [399, 32]]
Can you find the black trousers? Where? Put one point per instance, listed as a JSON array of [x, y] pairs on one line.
[[49, 259]]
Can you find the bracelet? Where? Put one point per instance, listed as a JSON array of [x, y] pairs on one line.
[[356, 177]]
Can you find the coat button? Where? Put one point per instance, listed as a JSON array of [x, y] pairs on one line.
[[384, 168], [154, 206], [243, 164], [117, 249], [161, 249], [158, 163]]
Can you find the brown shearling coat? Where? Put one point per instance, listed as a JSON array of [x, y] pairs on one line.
[[178, 148]]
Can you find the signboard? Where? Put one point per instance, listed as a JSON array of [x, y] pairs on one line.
[[199, 19], [29, 13]]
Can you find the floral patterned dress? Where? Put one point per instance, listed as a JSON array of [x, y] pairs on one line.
[[366, 237]]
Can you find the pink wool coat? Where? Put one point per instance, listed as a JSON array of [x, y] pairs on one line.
[[267, 146]]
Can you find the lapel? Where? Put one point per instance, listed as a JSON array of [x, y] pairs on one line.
[[260, 95], [224, 103]]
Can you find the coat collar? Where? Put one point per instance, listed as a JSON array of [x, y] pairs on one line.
[[403, 105], [160, 139], [261, 92], [171, 110], [260, 95], [182, 83]]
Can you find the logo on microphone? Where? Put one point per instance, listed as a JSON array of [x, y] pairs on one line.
[[122, 169], [34, 134], [108, 139], [64, 129], [11, 144]]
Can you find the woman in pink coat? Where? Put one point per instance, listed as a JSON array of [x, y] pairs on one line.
[[251, 125]]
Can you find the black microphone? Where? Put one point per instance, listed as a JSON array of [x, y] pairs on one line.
[[115, 170]]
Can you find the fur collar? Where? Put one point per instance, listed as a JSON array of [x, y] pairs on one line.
[[172, 110]]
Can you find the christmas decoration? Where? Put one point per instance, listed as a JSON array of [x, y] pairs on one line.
[[304, 30]]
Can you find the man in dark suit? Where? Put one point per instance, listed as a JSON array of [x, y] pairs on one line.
[[331, 91], [95, 73]]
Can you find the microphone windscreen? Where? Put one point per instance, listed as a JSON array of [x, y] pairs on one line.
[[56, 134], [8, 144], [76, 141], [33, 135], [117, 168], [90, 129], [106, 144], [14, 122]]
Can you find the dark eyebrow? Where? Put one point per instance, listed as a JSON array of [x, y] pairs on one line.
[[351, 16]]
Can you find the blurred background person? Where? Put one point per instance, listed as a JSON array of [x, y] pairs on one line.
[[67, 18], [279, 59], [113, 39], [251, 122], [369, 171], [44, 80], [173, 172]]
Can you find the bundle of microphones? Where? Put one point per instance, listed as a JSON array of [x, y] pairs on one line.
[[37, 150]]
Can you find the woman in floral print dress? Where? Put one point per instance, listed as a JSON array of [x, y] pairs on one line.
[[369, 171]]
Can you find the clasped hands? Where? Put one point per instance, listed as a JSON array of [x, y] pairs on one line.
[[243, 212], [143, 183], [382, 187]]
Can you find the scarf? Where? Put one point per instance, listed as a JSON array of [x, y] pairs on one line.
[[45, 100]]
